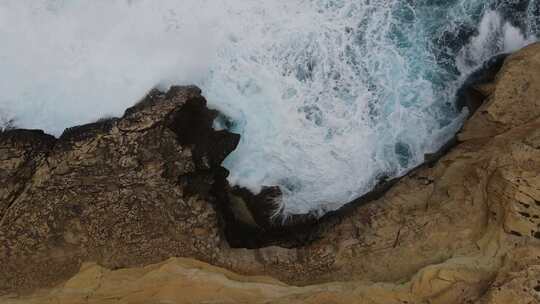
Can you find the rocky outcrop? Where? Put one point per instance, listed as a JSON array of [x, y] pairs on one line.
[[463, 230], [20, 153], [187, 281], [117, 192]]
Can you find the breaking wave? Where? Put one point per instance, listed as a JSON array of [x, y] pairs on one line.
[[330, 96]]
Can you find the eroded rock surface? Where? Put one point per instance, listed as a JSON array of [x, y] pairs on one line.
[[112, 192], [466, 230]]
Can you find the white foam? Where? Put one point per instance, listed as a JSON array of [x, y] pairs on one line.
[[328, 95], [495, 36], [70, 62]]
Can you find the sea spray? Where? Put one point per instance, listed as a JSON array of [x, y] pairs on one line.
[[329, 96]]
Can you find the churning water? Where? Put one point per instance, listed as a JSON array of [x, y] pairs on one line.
[[329, 95]]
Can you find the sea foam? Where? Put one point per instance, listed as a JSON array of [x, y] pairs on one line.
[[330, 96]]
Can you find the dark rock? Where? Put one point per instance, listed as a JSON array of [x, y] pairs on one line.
[[469, 95]]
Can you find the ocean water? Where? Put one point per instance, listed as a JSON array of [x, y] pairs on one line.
[[329, 96]]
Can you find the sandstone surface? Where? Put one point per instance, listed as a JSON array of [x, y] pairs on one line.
[[100, 206]]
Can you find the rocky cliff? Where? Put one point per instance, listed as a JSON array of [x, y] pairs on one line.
[[105, 201]]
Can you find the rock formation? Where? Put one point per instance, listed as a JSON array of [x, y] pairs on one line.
[[129, 192]]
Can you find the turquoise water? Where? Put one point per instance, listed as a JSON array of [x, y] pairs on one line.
[[329, 96]]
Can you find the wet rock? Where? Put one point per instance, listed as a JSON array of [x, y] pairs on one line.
[[461, 230], [479, 85]]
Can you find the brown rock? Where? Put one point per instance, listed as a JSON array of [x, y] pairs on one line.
[[20, 153], [463, 231], [107, 192], [514, 99]]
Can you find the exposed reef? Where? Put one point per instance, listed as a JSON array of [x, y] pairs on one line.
[[132, 191]]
